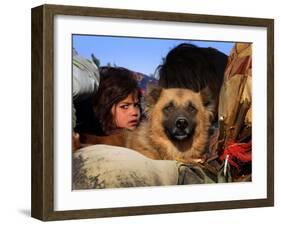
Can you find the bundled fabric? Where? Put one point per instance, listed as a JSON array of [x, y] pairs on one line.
[[235, 110], [85, 78], [105, 166]]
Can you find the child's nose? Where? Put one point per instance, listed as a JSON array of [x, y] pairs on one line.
[[135, 111]]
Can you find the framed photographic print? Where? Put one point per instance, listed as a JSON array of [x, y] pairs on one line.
[[141, 112]]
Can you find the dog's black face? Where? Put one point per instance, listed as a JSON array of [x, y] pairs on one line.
[[179, 122]]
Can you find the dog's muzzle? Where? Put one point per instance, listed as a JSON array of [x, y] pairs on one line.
[[182, 129]]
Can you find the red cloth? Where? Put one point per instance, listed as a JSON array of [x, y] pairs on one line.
[[238, 153]]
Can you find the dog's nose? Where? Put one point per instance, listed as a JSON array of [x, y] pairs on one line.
[[181, 123]]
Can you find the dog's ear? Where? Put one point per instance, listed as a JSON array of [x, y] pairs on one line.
[[208, 100], [152, 95]]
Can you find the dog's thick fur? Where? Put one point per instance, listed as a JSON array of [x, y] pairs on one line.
[[176, 129]]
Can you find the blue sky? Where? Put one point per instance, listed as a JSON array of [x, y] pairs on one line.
[[137, 54]]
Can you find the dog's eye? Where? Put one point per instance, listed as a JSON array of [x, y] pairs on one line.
[[191, 109], [169, 108]]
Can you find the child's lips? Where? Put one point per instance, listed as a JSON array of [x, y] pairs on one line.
[[133, 122]]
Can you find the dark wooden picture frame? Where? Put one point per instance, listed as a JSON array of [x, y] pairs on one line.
[[42, 203]]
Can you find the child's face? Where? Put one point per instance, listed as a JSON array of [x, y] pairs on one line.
[[126, 113]]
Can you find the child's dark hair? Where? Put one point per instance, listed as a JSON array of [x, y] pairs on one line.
[[116, 83]]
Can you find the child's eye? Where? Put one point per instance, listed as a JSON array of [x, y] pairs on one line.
[[126, 106]]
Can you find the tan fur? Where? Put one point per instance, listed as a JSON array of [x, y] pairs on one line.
[[150, 138]]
